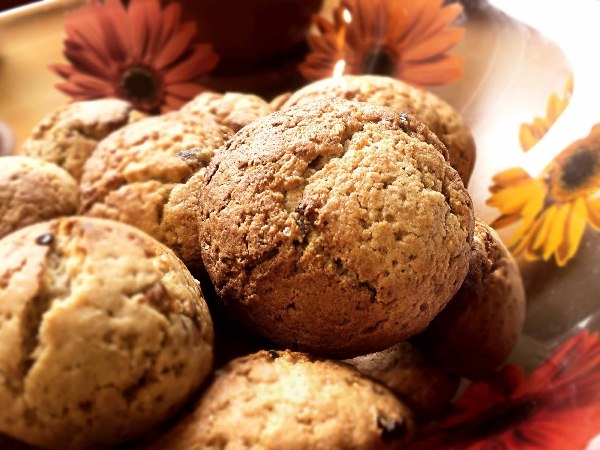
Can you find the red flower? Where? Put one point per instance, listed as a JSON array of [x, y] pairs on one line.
[[408, 40], [141, 54], [557, 407]]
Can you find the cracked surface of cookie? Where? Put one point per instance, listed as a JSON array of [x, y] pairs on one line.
[[33, 190], [232, 109], [436, 113], [137, 175], [103, 334], [286, 400], [68, 135], [335, 227], [480, 326]]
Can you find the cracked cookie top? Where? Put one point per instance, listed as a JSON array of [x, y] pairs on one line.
[[335, 227], [103, 334], [33, 190], [232, 109], [435, 112], [137, 175], [68, 135], [287, 400]]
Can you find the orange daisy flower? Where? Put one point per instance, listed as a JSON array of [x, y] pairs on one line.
[[531, 133], [140, 53], [408, 40], [555, 207], [557, 407]]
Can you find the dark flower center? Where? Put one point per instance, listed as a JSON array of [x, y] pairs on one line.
[[379, 62], [141, 86], [578, 168]]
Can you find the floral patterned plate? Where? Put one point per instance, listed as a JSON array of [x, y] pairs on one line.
[[526, 83]]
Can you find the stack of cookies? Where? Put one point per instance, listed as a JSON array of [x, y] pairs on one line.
[[304, 273]]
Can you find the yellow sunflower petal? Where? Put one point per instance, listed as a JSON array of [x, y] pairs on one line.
[[509, 177], [575, 226], [504, 220], [556, 234], [593, 211], [544, 230], [531, 212], [521, 241]]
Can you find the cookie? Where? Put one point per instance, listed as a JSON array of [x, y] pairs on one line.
[[286, 400], [480, 326], [423, 386], [32, 190], [232, 109], [68, 135], [436, 113], [103, 334], [136, 176], [335, 227]]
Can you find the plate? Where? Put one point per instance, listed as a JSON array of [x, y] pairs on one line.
[[529, 94]]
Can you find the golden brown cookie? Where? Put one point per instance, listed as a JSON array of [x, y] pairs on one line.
[[32, 190], [286, 400], [480, 326], [232, 109], [68, 135], [423, 386], [136, 176], [103, 334], [436, 113], [335, 227]]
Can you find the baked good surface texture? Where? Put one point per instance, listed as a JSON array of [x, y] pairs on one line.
[[103, 334], [425, 387], [441, 118], [286, 400], [68, 135], [480, 326], [33, 190], [232, 109], [137, 175], [335, 227]]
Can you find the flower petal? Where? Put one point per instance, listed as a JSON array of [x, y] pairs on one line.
[[201, 61], [556, 234], [177, 44], [443, 71], [435, 45], [575, 227], [593, 209]]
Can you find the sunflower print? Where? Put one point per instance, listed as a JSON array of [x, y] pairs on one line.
[[555, 207], [140, 53], [531, 133], [408, 40]]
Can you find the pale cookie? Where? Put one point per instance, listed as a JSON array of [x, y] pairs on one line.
[[68, 135], [286, 400], [103, 334], [137, 174], [32, 190], [232, 109], [436, 113], [335, 227], [423, 386], [479, 328]]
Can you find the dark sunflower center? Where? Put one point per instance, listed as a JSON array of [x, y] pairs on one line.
[[379, 62], [140, 85], [579, 168]]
